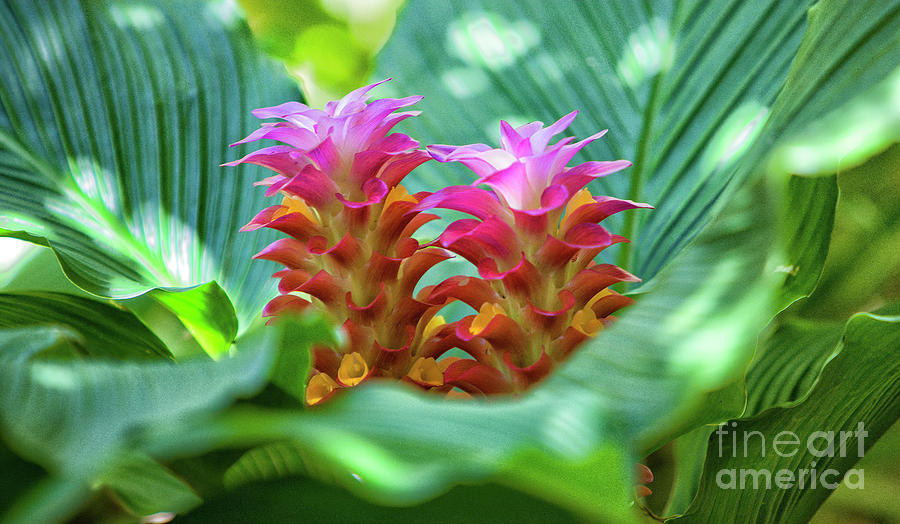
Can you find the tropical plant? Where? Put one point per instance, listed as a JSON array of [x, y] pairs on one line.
[[147, 384]]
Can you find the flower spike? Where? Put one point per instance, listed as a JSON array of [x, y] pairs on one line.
[[533, 238], [349, 222]]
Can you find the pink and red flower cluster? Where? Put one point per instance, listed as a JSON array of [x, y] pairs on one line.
[[350, 251]]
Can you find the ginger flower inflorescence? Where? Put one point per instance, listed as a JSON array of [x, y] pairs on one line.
[[350, 251]]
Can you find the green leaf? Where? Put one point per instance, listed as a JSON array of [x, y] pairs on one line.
[[103, 330], [40, 270], [539, 474], [79, 419], [293, 359], [850, 51], [302, 499], [856, 399], [528, 470], [270, 462], [788, 362], [73, 415], [878, 500], [392, 445], [207, 314], [144, 487], [684, 88], [113, 122], [21, 235], [191, 322], [806, 226], [846, 137]]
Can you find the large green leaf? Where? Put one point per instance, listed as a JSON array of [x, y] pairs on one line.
[[788, 362], [393, 446], [114, 117], [103, 330], [687, 89], [71, 415], [78, 418], [856, 399], [682, 86], [303, 500]]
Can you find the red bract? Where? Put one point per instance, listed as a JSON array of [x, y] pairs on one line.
[[350, 250], [533, 239]]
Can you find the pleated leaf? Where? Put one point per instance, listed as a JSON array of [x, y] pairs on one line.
[[854, 402], [71, 416], [99, 329], [114, 117], [687, 89], [79, 419], [789, 361], [683, 87]]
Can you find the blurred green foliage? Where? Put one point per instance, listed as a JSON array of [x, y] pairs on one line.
[[862, 271], [330, 45]]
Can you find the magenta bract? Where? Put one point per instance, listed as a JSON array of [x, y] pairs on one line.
[[350, 249]]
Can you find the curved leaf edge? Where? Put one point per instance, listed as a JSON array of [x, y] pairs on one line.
[[888, 316]]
